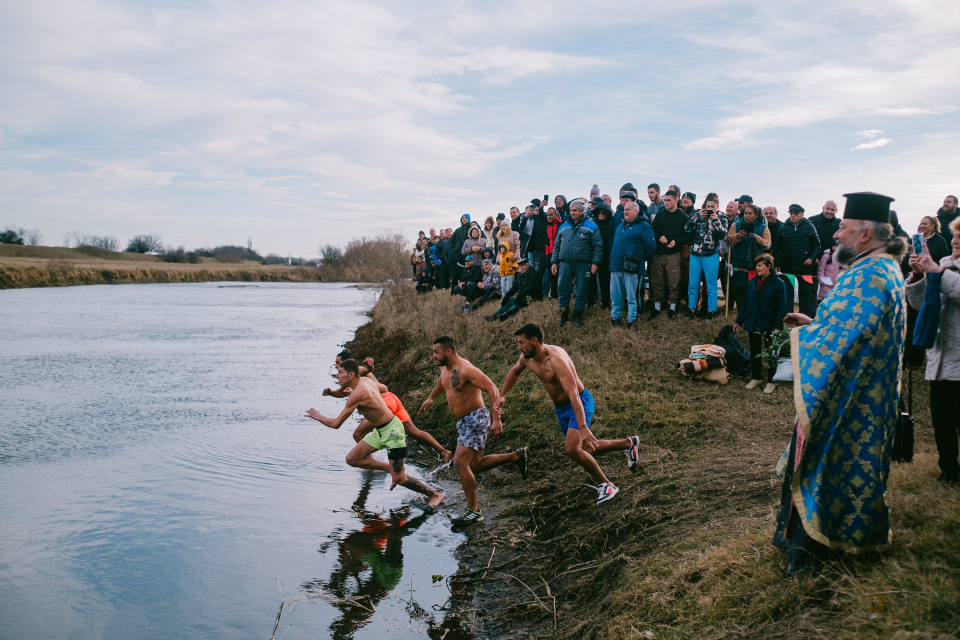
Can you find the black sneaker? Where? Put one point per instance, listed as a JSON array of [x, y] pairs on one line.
[[690, 315], [468, 517], [673, 314], [523, 461], [654, 314], [709, 315]]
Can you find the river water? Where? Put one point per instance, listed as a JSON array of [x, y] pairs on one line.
[[157, 479]]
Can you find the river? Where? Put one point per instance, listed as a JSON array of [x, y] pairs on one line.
[[158, 480]]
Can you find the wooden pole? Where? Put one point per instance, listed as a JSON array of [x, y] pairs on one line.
[[726, 302]]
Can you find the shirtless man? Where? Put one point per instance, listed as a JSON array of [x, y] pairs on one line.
[[395, 406], [463, 383], [573, 405], [365, 398]]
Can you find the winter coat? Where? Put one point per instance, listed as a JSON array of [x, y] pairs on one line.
[[829, 267], [470, 243], [537, 240], [774, 236], [945, 220], [606, 227], [704, 234], [670, 226], [938, 248], [764, 312], [491, 280], [578, 243], [506, 260], [489, 238], [471, 274], [825, 230], [563, 213], [797, 243], [633, 239], [526, 285], [551, 236], [744, 251], [943, 360], [459, 237], [513, 238]]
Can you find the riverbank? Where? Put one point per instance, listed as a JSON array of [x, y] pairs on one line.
[[684, 549], [22, 267]]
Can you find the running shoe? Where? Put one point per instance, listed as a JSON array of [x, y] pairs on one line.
[[605, 492], [468, 517], [522, 461], [632, 452]]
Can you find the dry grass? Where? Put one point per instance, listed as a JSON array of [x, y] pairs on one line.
[[41, 272], [684, 550]]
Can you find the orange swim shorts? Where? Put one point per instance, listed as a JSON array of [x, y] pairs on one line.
[[395, 406]]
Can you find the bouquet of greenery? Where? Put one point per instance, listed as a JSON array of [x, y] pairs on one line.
[[778, 338]]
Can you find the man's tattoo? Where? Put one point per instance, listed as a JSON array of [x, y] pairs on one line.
[[397, 465], [455, 379], [416, 485]]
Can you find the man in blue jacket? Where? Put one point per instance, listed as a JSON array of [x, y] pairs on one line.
[[633, 245], [577, 252]]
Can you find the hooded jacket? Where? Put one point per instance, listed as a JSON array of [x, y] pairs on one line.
[[506, 260], [472, 242], [563, 213], [797, 243], [578, 242], [552, 229], [634, 239], [606, 227], [459, 237]]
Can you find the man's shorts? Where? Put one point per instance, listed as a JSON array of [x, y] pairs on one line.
[[568, 419], [390, 436], [396, 408], [473, 429]]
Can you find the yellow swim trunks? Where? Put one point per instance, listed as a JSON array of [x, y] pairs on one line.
[[388, 436]]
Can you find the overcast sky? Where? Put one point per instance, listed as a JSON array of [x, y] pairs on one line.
[[303, 123]]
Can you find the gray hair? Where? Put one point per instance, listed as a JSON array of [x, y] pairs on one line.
[[633, 205], [576, 203], [883, 232]]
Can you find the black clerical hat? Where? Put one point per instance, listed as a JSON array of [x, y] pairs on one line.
[[865, 205]]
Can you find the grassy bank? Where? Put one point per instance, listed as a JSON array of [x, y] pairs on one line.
[[684, 550], [22, 267]]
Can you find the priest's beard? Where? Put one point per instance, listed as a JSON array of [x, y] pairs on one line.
[[845, 255]]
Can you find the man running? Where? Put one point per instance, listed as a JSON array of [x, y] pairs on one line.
[[463, 383], [395, 406], [365, 398], [573, 405]]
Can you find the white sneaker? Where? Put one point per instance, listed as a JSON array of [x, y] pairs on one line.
[[606, 491], [632, 452], [770, 388], [753, 384]]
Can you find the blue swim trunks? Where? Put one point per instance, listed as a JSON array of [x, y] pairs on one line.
[[568, 419]]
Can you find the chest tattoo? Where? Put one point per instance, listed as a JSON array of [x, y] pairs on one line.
[[455, 379]]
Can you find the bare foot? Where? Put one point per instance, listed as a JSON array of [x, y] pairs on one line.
[[436, 499], [447, 456]]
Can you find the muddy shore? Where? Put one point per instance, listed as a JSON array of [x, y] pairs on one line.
[[684, 549]]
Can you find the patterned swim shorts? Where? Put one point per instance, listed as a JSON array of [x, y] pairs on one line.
[[473, 429]]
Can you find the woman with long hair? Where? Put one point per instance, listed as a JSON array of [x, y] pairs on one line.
[[490, 233]]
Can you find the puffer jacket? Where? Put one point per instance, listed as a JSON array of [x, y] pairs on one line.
[[470, 243], [795, 244], [506, 260], [826, 228], [633, 239], [704, 234], [829, 267], [513, 238], [578, 242], [943, 360]]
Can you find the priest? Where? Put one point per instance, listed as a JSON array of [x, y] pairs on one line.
[[846, 378]]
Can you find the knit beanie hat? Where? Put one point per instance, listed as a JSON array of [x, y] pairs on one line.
[[595, 191]]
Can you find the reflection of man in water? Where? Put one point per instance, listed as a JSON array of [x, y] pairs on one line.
[[377, 547]]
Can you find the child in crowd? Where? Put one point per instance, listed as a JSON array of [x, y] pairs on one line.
[[508, 266]]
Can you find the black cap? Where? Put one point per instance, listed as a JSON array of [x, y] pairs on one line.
[[535, 202], [628, 187], [693, 196], [795, 207], [628, 194], [745, 198], [523, 260], [598, 200], [865, 205], [501, 216]]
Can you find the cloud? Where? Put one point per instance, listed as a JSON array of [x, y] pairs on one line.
[[873, 145], [869, 134]]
